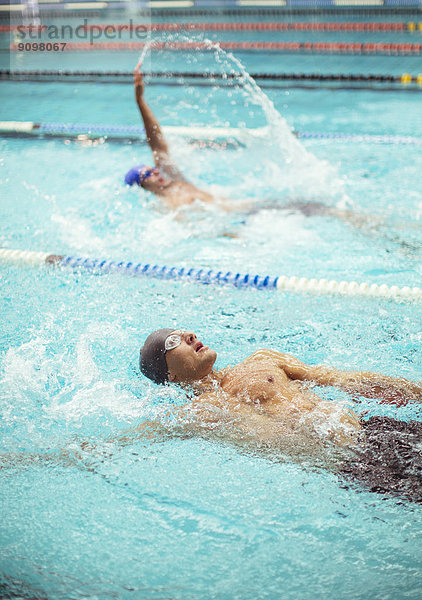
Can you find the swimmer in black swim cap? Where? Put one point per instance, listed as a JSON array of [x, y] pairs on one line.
[[176, 356], [268, 400]]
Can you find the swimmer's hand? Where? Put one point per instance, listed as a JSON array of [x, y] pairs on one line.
[[138, 81]]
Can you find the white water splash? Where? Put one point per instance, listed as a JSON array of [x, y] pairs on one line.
[[77, 233], [44, 393], [144, 52], [305, 172]]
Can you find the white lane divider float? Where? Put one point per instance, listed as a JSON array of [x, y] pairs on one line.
[[206, 276], [231, 135]]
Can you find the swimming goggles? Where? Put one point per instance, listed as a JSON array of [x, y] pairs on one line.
[[173, 341], [146, 174]]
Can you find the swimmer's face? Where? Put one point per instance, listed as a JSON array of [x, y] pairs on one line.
[[155, 180], [191, 360]]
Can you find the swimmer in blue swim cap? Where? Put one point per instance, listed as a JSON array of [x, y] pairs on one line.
[[164, 179], [167, 181]]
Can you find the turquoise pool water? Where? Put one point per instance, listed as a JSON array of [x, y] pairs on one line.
[[192, 517]]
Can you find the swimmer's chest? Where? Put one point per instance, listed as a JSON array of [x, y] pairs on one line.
[[260, 381]]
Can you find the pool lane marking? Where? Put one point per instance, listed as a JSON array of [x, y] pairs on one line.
[[63, 76], [371, 27], [206, 135], [209, 277], [345, 48]]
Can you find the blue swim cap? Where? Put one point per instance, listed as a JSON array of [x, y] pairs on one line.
[[132, 176]]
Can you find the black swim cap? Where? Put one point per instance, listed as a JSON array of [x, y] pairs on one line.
[[152, 358]]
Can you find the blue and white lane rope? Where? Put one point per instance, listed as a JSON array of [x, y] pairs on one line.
[[207, 276], [360, 138], [135, 131]]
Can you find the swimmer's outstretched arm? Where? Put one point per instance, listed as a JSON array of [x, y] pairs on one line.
[[154, 133], [396, 390], [155, 136]]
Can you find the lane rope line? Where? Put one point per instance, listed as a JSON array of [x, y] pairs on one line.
[[206, 276], [354, 11], [371, 27], [195, 134], [62, 75], [349, 48]]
